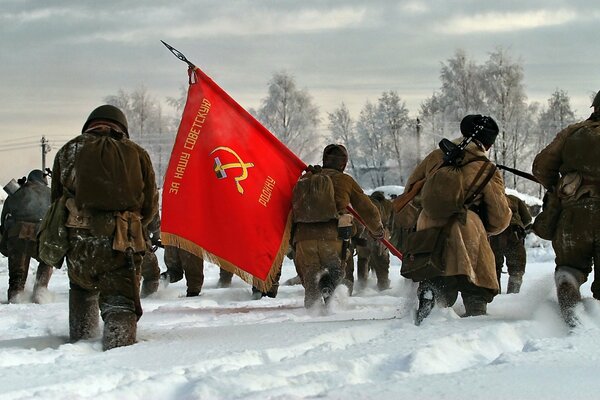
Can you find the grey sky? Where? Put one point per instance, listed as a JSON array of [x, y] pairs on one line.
[[60, 58]]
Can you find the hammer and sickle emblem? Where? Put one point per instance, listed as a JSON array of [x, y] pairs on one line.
[[220, 168]]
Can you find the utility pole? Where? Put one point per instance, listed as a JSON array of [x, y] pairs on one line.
[[45, 150], [418, 129]]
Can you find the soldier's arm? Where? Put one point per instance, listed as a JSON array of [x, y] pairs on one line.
[[524, 213], [365, 208], [150, 204], [498, 213], [56, 189], [547, 163]]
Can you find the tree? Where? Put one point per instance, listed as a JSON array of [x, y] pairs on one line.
[[393, 115], [556, 117], [289, 113], [341, 129], [374, 148]]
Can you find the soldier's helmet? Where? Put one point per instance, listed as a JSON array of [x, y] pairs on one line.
[[484, 128], [109, 113], [596, 102], [335, 156], [37, 175]]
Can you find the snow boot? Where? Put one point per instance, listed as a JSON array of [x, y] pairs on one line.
[[514, 284], [426, 303], [149, 287], [567, 292], [119, 329], [192, 293], [474, 307], [84, 314]]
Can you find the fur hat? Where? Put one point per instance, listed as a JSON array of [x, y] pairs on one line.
[[335, 156], [483, 128]]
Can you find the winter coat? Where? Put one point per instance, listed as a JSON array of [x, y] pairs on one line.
[[520, 213], [468, 250], [346, 192], [571, 179], [27, 205]]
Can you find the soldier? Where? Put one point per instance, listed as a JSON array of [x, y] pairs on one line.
[[21, 217], [317, 245], [150, 268], [469, 260], [106, 218], [374, 255], [180, 262], [569, 168], [511, 244]]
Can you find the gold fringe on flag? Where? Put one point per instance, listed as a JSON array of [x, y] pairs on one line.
[[264, 286]]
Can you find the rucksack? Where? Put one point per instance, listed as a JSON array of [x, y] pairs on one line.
[[108, 175], [313, 198], [580, 151], [443, 194]]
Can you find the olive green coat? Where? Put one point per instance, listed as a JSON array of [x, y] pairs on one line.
[[468, 251]]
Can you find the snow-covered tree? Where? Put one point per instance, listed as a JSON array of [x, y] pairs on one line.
[[373, 144], [342, 130], [290, 114]]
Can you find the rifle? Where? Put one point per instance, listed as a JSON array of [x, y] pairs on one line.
[[453, 154], [520, 173]]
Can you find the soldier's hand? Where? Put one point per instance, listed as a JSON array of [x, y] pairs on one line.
[[379, 234]]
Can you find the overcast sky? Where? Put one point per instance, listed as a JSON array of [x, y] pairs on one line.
[[60, 58]]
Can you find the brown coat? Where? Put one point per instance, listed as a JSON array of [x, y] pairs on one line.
[[520, 213], [554, 173], [468, 251], [346, 192]]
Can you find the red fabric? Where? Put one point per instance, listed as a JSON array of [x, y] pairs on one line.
[[243, 224]]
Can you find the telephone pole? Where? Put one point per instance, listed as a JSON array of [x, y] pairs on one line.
[[45, 150]]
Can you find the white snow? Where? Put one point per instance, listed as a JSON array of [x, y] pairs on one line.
[[222, 345]]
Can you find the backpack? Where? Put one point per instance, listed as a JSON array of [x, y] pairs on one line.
[[580, 152], [443, 194], [108, 175], [313, 198]]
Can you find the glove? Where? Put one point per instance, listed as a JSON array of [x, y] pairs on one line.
[[379, 234]]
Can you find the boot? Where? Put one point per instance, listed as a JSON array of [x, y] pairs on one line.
[[192, 293], [474, 307], [83, 314], [119, 329], [222, 283], [567, 291], [42, 278], [149, 287], [326, 287], [426, 303], [514, 284]]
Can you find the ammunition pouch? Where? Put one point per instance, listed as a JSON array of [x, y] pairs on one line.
[[425, 253], [546, 222]]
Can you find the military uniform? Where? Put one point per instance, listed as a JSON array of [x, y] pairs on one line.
[[150, 268], [317, 245], [21, 217], [469, 260], [570, 168], [510, 244], [99, 275], [180, 262], [374, 255]]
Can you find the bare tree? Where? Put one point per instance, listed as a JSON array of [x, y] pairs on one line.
[[341, 129], [374, 146], [394, 119], [290, 114]]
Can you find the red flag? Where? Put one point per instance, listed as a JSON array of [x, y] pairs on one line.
[[228, 188]]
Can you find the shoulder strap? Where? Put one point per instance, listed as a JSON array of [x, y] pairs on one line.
[[485, 181]]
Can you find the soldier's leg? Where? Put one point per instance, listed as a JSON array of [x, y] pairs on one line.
[[332, 272], [224, 278], [574, 248], [119, 300], [475, 298], [84, 313], [498, 248], [362, 267], [172, 258], [193, 267], [308, 267], [349, 271], [18, 268], [381, 265], [42, 278], [441, 291], [516, 258], [150, 274]]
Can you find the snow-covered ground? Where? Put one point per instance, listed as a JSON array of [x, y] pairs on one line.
[[222, 345]]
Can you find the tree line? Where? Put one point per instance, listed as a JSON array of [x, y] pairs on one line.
[[384, 140]]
